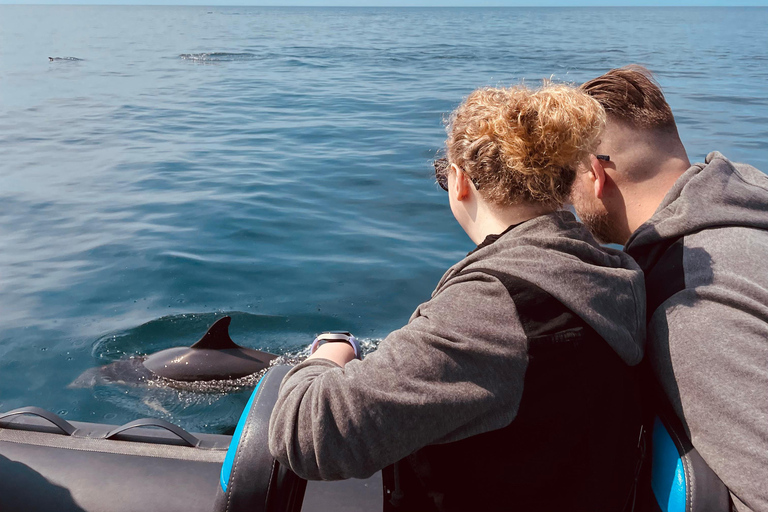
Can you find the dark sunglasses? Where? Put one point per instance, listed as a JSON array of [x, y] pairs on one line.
[[604, 158], [441, 174]]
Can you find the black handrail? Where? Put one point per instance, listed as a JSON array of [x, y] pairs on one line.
[[185, 436], [63, 425]]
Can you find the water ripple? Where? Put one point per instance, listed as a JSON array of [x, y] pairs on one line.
[[218, 56], [284, 180]]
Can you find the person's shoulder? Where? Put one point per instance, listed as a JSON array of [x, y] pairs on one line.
[[750, 175], [735, 253]]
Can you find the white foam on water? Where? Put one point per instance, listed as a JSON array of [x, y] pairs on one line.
[[249, 381]]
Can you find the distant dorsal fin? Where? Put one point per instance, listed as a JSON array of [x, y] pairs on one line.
[[217, 336]]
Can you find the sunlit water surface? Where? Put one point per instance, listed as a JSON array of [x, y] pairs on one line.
[[273, 164]]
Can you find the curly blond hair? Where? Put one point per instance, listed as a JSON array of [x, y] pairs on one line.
[[523, 145]]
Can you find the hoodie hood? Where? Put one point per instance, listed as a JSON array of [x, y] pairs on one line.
[[716, 193], [602, 286]]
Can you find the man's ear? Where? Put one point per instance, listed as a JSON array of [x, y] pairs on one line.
[[461, 183], [597, 175]]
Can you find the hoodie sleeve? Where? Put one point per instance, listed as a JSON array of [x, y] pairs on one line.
[[454, 371], [709, 347]]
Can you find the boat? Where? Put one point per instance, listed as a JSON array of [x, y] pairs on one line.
[[50, 464]]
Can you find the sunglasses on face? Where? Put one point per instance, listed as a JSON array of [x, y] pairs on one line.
[[442, 166], [441, 172]]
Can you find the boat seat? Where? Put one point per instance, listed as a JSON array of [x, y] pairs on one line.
[[251, 480], [680, 480]]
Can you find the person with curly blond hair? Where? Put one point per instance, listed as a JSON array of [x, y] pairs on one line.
[[512, 387]]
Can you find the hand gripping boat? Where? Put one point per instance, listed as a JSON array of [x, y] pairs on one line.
[[49, 464]]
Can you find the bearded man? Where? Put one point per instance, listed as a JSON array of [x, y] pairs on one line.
[[700, 234]]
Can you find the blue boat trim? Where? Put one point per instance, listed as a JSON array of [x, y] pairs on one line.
[[229, 460], [667, 473]]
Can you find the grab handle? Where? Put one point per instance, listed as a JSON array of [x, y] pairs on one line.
[[185, 436], [63, 425]]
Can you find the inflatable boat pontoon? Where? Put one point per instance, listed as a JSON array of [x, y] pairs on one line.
[[151, 465]]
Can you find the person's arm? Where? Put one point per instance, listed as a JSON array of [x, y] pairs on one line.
[[339, 353], [455, 370], [708, 345]]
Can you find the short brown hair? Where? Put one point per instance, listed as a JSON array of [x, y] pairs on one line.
[[632, 95], [524, 145]]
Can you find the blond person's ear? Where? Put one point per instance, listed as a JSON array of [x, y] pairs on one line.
[[596, 174], [461, 183]]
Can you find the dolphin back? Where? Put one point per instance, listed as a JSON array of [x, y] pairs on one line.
[[213, 357], [217, 336]]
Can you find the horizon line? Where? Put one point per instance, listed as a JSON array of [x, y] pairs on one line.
[[492, 4], [402, 3]]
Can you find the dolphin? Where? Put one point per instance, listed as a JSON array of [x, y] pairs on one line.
[[214, 357]]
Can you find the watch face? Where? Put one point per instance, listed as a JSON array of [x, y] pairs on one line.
[[346, 333]]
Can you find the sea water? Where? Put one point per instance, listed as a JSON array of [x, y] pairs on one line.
[[175, 164]]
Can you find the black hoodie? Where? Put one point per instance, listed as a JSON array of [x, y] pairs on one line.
[[458, 370]]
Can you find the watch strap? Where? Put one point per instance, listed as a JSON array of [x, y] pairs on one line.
[[335, 337]]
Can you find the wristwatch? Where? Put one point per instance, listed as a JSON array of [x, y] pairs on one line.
[[336, 337]]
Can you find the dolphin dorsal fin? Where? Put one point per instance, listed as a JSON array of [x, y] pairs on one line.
[[217, 336]]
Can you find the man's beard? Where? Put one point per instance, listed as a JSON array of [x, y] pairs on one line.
[[599, 225], [595, 217]]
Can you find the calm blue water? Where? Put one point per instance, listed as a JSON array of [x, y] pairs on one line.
[[284, 177]]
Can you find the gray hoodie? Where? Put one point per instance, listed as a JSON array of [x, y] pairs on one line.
[[457, 368], [705, 255]]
